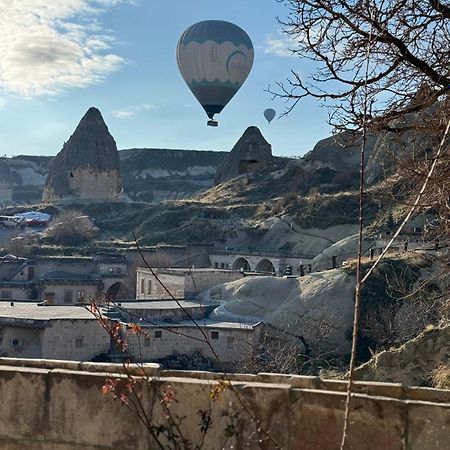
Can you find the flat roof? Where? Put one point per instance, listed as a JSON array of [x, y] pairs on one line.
[[164, 304], [23, 310], [183, 270], [208, 323]]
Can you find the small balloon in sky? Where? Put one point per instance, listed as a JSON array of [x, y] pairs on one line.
[[269, 114], [214, 58]]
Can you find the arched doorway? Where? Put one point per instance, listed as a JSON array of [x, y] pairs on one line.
[[265, 265], [241, 264], [118, 291]]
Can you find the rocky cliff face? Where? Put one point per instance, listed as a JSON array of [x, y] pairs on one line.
[[87, 167], [251, 153], [340, 152], [153, 174]]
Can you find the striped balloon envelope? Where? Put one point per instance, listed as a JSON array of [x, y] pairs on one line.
[[214, 58]]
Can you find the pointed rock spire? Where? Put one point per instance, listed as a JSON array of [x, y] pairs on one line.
[[87, 167], [251, 153]]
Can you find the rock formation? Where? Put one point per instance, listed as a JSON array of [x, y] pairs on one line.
[[87, 167], [412, 363], [251, 153], [340, 152]]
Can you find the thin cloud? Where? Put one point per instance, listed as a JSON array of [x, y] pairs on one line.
[[48, 47], [278, 44], [131, 111]]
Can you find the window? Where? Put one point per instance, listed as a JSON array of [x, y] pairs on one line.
[[147, 341], [1, 339], [214, 335], [16, 342], [230, 342], [142, 286], [222, 265], [149, 287], [216, 265], [80, 296], [6, 295], [158, 334], [68, 295], [79, 342], [118, 269]]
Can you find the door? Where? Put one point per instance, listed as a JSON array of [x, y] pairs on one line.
[[49, 297]]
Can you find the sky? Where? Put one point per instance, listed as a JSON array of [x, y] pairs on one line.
[[60, 57]]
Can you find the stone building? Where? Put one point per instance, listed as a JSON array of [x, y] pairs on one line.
[[181, 283], [63, 280], [53, 332], [64, 288], [87, 168], [232, 342]]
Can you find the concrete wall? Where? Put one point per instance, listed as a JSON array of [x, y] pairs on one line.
[[59, 406]]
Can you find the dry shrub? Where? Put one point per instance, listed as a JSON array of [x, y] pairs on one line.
[[71, 227], [440, 377]]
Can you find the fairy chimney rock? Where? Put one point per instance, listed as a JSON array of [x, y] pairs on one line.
[[251, 153], [87, 168]]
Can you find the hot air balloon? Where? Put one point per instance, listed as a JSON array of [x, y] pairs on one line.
[[269, 114], [214, 58]]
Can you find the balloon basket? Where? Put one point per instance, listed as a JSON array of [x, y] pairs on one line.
[[212, 123]]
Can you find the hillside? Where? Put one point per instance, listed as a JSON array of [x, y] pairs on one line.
[[154, 175], [149, 175]]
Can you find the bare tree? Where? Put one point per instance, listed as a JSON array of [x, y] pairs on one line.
[[409, 68]]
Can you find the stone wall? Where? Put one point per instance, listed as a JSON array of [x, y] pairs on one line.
[[172, 314], [59, 406], [148, 288], [20, 342], [76, 339], [90, 184], [180, 283]]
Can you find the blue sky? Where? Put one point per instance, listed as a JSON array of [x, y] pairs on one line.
[[61, 57]]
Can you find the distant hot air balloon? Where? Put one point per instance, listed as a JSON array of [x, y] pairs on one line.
[[269, 114], [214, 58]]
